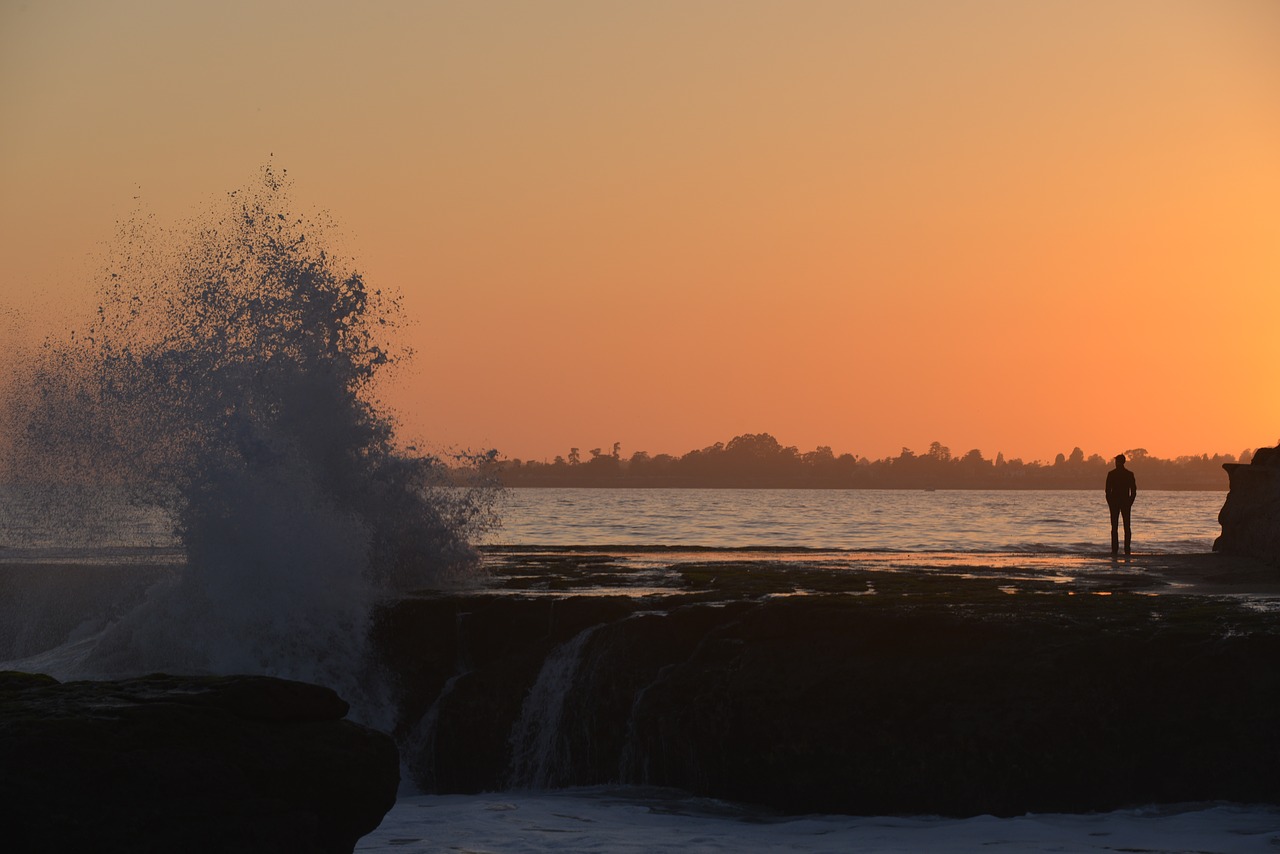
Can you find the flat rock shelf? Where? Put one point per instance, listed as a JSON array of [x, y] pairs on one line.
[[827, 682]]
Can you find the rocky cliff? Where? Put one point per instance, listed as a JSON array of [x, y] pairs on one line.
[[196, 764], [898, 696], [1250, 518]]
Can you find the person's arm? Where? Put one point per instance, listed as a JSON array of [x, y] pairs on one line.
[[1133, 488]]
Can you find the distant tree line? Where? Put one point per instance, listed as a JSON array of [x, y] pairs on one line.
[[758, 460]]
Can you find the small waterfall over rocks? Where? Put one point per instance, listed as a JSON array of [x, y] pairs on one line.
[[540, 746], [421, 743], [837, 703], [536, 693]]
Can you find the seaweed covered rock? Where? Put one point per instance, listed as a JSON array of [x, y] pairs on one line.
[[1250, 518], [198, 764]]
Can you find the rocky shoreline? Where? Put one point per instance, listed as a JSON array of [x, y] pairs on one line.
[[815, 682], [196, 764], [853, 692], [1250, 517]]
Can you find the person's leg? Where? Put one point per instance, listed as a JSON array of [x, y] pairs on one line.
[[1115, 534], [1128, 532]]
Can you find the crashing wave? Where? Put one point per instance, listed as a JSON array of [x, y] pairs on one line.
[[229, 378]]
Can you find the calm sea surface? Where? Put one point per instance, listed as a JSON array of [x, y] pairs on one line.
[[860, 520], [891, 520]]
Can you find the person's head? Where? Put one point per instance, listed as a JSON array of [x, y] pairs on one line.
[[1119, 461]]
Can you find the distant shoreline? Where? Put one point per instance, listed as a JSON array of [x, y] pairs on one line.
[[759, 461], [844, 488]]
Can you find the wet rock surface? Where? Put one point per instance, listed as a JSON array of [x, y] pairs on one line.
[[197, 764], [895, 694]]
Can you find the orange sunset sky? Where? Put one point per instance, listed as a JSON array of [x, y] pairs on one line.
[[1018, 226]]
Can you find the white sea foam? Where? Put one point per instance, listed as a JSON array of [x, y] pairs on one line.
[[629, 820]]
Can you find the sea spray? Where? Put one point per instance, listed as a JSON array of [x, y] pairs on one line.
[[228, 378]]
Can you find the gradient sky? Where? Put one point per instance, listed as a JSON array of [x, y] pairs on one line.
[[1017, 226]]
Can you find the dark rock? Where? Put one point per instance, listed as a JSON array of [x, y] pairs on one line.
[[196, 764], [838, 707], [1266, 457], [1250, 517], [944, 697]]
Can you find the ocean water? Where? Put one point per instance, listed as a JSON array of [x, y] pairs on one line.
[[966, 521], [106, 527], [1025, 527], [82, 524]]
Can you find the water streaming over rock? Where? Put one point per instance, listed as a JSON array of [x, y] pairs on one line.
[[539, 743], [418, 748]]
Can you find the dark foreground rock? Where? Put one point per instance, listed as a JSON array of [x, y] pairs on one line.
[[239, 764], [895, 695], [1250, 518]]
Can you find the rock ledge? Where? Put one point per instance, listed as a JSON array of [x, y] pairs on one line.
[[179, 763]]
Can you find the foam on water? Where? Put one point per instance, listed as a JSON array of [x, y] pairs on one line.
[[228, 382], [640, 820]]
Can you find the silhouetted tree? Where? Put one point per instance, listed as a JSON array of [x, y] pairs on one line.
[[760, 460]]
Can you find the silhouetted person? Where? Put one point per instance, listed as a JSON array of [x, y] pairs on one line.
[[1121, 490]]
